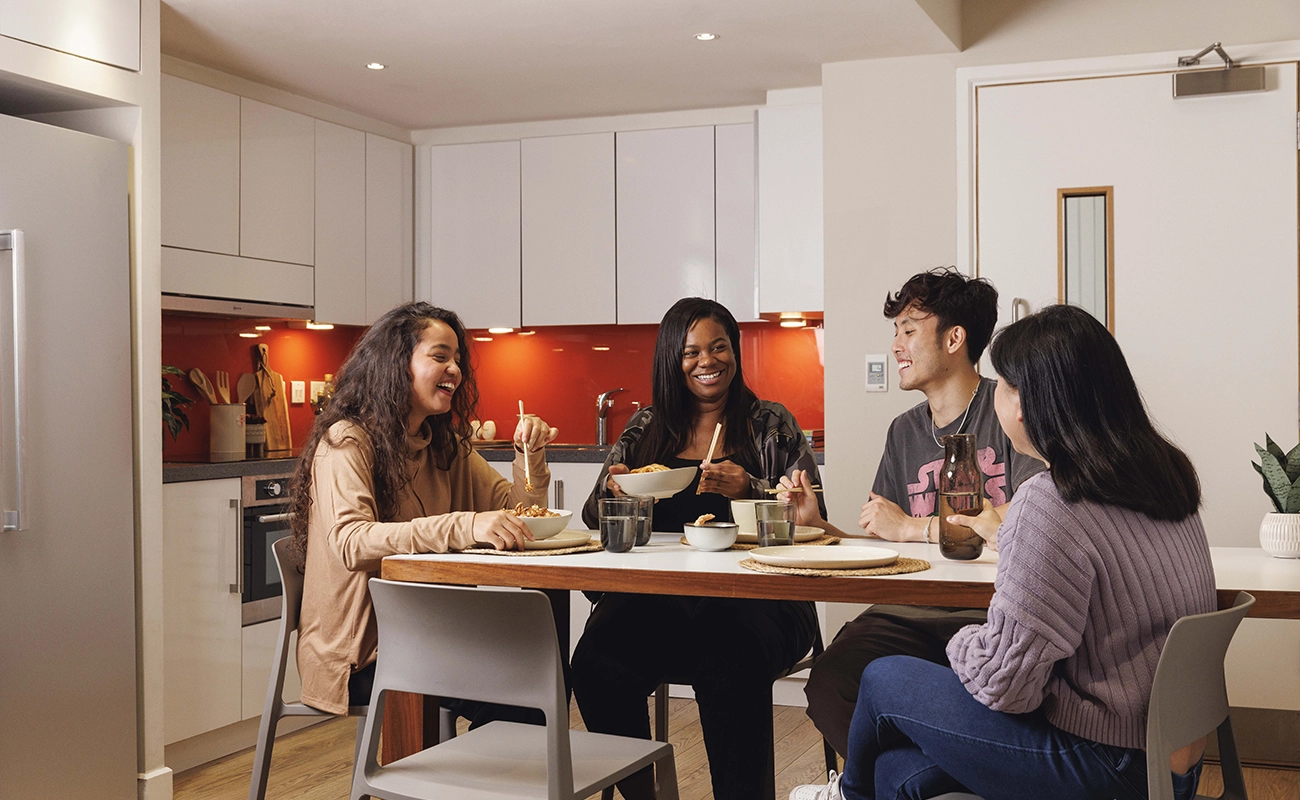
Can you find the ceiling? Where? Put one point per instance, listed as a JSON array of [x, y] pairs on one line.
[[474, 62]]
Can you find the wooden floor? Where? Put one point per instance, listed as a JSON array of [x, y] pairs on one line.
[[316, 763]]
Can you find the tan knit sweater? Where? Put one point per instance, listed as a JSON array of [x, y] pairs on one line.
[[346, 543]]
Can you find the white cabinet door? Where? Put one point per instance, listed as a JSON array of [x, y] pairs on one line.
[[258, 652], [567, 206], [200, 167], [790, 208], [474, 242], [277, 178], [340, 272], [665, 220], [390, 224], [734, 182], [101, 30], [203, 649]]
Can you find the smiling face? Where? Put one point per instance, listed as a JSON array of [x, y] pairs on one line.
[[924, 356], [708, 361], [435, 372]]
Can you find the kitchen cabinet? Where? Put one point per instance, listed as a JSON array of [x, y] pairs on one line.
[[389, 240], [341, 269], [107, 31], [474, 242], [258, 651], [734, 225], [790, 208], [277, 178], [567, 231], [203, 643], [200, 167], [665, 223]]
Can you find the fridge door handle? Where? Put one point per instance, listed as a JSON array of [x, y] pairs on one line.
[[238, 586], [16, 519]]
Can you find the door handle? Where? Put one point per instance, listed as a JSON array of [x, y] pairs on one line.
[[1020, 308], [265, 518], [238, 586], [15, 519]]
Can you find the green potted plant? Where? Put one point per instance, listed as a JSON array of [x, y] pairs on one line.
[[1279, 533], [173, 403]]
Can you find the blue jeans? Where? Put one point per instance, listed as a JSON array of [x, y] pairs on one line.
[[917, 733]]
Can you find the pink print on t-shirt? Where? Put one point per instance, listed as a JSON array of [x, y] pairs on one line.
[[924, 494]]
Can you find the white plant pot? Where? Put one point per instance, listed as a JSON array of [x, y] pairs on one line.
[[1279, 535]]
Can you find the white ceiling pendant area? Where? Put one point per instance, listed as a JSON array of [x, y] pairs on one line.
[[454, 62]]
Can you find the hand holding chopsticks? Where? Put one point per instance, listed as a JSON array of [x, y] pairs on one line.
[[528, 475], [532, 434], [717, 429]]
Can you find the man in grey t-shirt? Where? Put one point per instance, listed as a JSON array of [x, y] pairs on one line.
[[942, 323]]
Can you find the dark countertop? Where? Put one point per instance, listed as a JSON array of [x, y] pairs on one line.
[[568, 453]]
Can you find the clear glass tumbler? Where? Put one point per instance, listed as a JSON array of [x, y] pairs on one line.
[[645, 515], [775, 523], [618, 523]]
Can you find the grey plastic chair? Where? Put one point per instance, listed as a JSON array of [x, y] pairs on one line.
[[1189, 698], [288, 560], [496, 645]]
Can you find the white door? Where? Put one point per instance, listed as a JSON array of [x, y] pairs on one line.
[[1205, 253]]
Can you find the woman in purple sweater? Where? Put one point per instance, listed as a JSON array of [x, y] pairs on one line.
[[1098, 557]]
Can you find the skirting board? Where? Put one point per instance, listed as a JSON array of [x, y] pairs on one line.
[[210, 746], [1266, 737]]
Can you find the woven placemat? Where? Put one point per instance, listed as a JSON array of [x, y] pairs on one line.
[[899, 567], [824, 540], [589, 547]]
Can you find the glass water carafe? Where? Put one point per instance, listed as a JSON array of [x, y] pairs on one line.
[[960, 492]]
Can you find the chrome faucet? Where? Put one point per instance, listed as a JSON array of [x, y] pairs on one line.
[[603, 404]]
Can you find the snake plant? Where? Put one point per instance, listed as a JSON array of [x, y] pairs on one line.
[[1281, 474]]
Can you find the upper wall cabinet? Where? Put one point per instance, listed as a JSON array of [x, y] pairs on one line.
[[277, 193], [665, 220], [390, 199], [474, 234], [107, 31], [340, 224], [734, 184], [200, 167], [790, 208], [567, 206]]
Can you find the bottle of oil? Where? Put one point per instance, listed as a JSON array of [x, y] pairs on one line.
[[960, 492]]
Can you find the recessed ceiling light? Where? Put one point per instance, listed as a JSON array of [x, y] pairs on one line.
[[261, 327], [706, 37], [501, 330], [374, 65], [527, 333], [482, 338], [320, 326], [599, 349], [792, 323], [249, 335]]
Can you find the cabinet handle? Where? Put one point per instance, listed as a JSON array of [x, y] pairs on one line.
[[238, 586], [15, 519], [1020, 308], [559, 493]]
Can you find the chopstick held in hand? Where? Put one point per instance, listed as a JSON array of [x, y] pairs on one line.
[[717, 429], [528, 474]]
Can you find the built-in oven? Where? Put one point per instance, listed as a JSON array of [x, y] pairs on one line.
[[266, 521]]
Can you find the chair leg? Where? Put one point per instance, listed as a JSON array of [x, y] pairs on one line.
[[666, 778], [1234, 781], [661, 713], [607, 793], [262, 757], [832, 758], [446, 725]]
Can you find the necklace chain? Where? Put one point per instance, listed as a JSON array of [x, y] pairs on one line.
[[934, 432]]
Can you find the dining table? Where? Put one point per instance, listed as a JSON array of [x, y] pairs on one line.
[[668, 566]]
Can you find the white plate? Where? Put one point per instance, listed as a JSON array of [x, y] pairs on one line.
[[561, 539], [824, 557], [802, 533], [656, 484]]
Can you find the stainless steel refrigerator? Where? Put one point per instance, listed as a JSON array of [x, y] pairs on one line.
[[67, 551]]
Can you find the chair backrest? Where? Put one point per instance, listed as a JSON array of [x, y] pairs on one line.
[[477, 643], [289, 561], [1189, 696]]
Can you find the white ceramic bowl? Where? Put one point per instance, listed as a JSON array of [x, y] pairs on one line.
[[711, 536], [656, 484], [546, 527], [742, 511]]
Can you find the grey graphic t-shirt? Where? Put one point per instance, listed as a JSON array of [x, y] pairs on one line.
[[909, 468]]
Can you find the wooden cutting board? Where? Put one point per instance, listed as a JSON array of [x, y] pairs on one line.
[[271, 400]]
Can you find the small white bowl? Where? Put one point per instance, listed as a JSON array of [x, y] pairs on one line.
[[546, 527], [656, 484], [711, 536]]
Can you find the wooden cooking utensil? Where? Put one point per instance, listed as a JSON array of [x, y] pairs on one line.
[[204, 386], [271, 400], [223, 386], [246, 386]]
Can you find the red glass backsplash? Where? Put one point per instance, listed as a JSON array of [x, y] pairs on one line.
[[556, 371]]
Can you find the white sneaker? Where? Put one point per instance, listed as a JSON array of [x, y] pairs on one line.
[[815, 791]]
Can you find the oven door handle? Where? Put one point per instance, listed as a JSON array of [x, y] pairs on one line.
[[265, 518]]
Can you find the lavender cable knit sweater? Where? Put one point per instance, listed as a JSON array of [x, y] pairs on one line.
[[1084, 597]]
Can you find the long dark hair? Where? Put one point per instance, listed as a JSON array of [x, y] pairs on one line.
[[669, 429], [373, 391], [1084, 414]]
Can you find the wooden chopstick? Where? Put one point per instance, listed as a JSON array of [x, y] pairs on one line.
[[791, 490], [717, 429], [528, 473]]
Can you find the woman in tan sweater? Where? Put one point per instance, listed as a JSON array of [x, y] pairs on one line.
[[388, 469]]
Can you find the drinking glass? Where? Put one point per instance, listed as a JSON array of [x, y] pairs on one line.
[[618, 523], [645, 513], [775, 523]]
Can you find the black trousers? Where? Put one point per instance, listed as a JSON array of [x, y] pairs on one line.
[[729, 650], [882, 630]]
